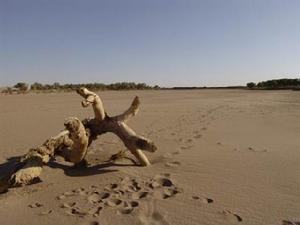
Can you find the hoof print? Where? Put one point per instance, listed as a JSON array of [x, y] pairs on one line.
[[35, 205]]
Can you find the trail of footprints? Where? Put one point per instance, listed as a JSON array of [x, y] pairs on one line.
[[123, 196], [185, 143], [249, 149]]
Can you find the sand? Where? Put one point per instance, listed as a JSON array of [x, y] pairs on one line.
[[224, 157]]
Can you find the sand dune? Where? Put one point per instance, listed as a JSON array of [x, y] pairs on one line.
[[224, 157]]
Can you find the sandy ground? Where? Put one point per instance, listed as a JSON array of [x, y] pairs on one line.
[[225, 157]]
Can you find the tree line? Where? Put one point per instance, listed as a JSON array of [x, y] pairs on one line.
[[276, 84], [22, 87], [93, 86]]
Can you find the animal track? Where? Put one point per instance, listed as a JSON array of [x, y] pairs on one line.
[[189, 140], [139, 195], [198, 136], [176, 153], [68, 205], [172, 164], [125, 195], [186, 147], [203, 200], [35, 205], [76, 211], [152, 216], [254, 150], [47, 212], [229, 213], [207, 200], [113, 202]]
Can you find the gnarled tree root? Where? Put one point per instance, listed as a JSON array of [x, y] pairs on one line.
[[72, 143]]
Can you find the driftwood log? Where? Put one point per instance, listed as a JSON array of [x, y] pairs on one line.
[[73, 142]]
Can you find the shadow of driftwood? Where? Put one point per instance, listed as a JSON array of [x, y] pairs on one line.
[[7, 168], [88, 170], [13, 164]]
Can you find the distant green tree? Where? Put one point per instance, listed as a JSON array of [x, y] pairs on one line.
[[37, 86], [56, 85], [22, 86], [251, 85], [279, 84]]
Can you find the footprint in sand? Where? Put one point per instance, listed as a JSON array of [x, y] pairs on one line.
[[128, 207], [126, 210], [251, 149], [47, 212], [198, 136], [203, 200], [235, 216], [111, 186], [67, 194], [113, 202], [35, 205], [139, 195], [288, 222], [134, 204], [96, 197], [77, 211], [171, 154], [67, 205], [151, 216], [79, 190], [176, 153], [163, 187], [189, 141], [255, 150], [186, 147], [95, 211], [124, 196], [161, 181], [172, 164]]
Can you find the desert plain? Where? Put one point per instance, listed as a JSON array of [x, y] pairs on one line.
[[224, 157]]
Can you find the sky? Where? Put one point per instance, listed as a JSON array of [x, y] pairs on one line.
[[159, 42]]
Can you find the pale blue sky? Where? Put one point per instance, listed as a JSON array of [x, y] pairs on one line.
[[164, 42]]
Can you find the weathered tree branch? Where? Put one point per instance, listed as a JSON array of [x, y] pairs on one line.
[[31, 163], [92, 98], [72, 143], [118, 126], [130, 112]]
